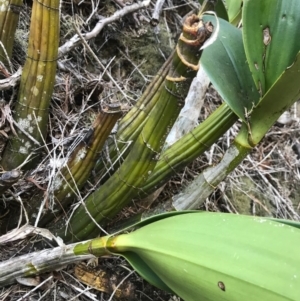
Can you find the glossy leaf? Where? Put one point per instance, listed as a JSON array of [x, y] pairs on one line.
[[226, 65], [278, 99], [271, 38], [215, 256]]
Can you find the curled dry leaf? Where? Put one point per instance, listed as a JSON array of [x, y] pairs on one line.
[[25, 231]]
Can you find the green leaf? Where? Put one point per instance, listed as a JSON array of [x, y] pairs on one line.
[[225, 63], [152, 219], [287, 222], [278, 99], [234, 10], [271, 38], [216, 256], [145, 271]]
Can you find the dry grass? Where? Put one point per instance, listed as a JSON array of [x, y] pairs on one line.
[[130, 52]]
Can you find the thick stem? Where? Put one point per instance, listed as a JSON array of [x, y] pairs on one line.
[[74, 174], [189, 147], [132, 123], [110, 198], [9, 16], [125, 184], [37, 82]]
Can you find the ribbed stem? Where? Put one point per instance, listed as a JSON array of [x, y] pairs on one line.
[[118, 191], [37, 82], [72, 177], [132, 123], [189, 147], [9, 17]]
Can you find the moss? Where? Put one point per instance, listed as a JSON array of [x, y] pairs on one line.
[[248, 194]]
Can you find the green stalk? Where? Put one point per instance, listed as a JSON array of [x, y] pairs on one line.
[[189, 147], [145, 104], [72, 177], [132, 123], [9, 16], [181, 153], [119, 189], [124, 185], [37, 82]]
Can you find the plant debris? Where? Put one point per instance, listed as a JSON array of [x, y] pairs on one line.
[[109, 53]]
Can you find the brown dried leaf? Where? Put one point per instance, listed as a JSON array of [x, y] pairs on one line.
[[104, 281]]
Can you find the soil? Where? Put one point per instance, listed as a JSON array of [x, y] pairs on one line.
[[133, 51]]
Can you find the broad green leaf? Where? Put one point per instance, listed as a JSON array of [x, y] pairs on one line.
[[225, 63], [136, 262], [145, 271], [152, 219], [234, 10], [278, 99], [271, 38], [287, 222], [216, 256]]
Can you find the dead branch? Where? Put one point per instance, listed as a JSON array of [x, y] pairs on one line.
[[38, 262], [156, 13], [76, 40], [11, 81]]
